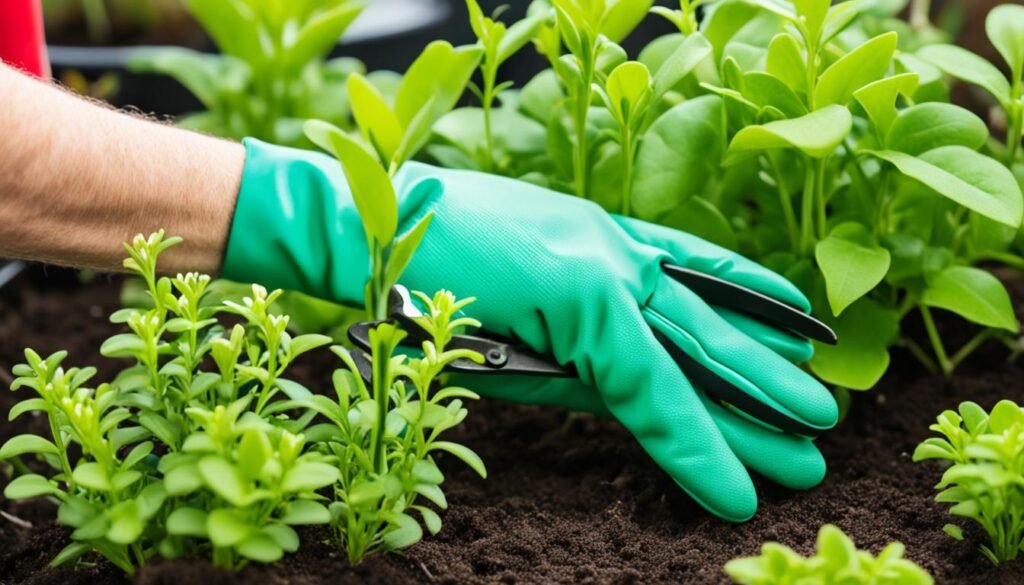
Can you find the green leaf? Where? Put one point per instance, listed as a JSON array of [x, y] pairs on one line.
[[629, 89], [406, 532], [93, 476], [260, 547], [316, 39], [924, 127], [21, 444], [440, 75], [817, 135], [857, 362], [973, 180], [690, 53], [405, 246], [785, 61], [623, 17], [464, 453], [814, 13], [309, 476], [29, 486], [379, 125], [972, 293], [223, 479], [30, 405], [879, 98], [371, 187], [861, 66], [519, 34], [122, 345], [430, 519], [1005, 28], [305, 512], [852, 263], [967, 66], [227, 527], [126, 524], [182, 479], [187, 522], [366, 492], [70, 553], [284, 536], [678, 156]]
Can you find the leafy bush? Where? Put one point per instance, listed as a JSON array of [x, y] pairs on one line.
[[837, 561], [272, 73], [984, 482], [795, 132], [205, 446]]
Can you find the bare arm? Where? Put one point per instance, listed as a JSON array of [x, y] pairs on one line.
[[77, 179]]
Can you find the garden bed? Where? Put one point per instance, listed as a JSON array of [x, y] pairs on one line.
[[568, 499]]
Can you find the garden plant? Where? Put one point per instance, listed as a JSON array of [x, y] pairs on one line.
[[985, 452], [192, 450], [837, 560]]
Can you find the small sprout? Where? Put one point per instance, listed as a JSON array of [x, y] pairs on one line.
[[837, 561]]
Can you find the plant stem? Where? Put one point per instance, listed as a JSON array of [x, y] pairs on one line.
[[970, 346], [920, 14], [490, 77], [936, 341], [627, 170], [786, 200], [921, 355], [819, 195], [580, 151], [1014, 134]]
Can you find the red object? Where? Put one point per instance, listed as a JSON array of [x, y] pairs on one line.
[[22, 43]]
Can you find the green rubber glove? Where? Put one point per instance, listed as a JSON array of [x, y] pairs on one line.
[[570, 280]]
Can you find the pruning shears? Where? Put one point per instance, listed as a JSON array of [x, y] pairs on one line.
[[507, 357]]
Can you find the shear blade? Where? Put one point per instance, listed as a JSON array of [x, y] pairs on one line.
[[723, 293]]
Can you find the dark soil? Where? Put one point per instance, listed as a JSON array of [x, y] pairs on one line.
[[566, 502]]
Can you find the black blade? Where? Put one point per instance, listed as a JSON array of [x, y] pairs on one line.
[[723, 293]]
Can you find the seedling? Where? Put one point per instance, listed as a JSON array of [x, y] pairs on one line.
[[837, 561], [176, 458], [983, 482], [382, 431]]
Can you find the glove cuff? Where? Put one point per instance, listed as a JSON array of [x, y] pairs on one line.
[[296, 227]]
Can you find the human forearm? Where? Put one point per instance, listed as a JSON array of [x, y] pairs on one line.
[[77, 179]]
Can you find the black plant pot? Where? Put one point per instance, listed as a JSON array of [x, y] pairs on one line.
[[388, 35]]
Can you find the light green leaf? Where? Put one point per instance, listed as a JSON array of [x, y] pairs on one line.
[[967, 66], [227, 527], [857, 362], [405, 246], [260, 547], [629, 89], [371, 187], [814, 13], [318, 36], [623, 17], [379, 125], [817, 135], [309, 476], [519, 34], [1005, 28], [678, 155], [852, 263], [968, 178], [305, 512], [786, 61], [690, 53], [861, 66], [29, 486], [879, 98], [972, 293], [440, 74], [924, 127], [223, 479], [406, 532], [284, 536], [187, 522], [699, 217], [126, 524], [93, 476], [464, 453], [21, 444], [70, 553]]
